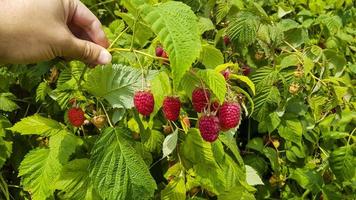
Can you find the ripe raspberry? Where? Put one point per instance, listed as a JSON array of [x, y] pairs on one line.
[[226, 73], [164, 54], [159, 51], [200, 99], [229, 115], [246, 70], [171, 108], [209, 127], [76, 116], [144, 102], [226, 40]]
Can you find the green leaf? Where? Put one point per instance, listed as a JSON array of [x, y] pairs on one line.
[[38, 171], [160, 87], [189, 83], [291, 130], [243, 28], [308, 179], [245, 80], [296, 37], [117, 84], [270, 123], [42, 91], [256, 144], [223, 8], [117, 170], [342, 163], [211, 56], [177, 28], [271, 154], [266, 100], [74, 181], [175, 190], [37, 125], [142, 32], [215, 82], [5, 146], [290, 60], [252, 177], [6, 102], [205, 24], [200, 155], [42, 166], [154, 143], [239, 192], [230, 142], [170, 143]]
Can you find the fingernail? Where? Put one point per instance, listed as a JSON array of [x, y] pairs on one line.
[[104, 57]]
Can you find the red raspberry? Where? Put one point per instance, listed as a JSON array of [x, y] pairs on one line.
[[226, 40], [144, 102], [229, 115], [200, 99], [226, 73], [76, 116], [159, 51], [209, 127], [246, 70], [171, 108]]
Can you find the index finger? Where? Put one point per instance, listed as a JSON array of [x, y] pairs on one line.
[[87, 21]]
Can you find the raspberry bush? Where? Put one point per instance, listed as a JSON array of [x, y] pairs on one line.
[[208, 99]]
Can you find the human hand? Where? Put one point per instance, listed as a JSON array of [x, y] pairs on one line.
[[39, 30]]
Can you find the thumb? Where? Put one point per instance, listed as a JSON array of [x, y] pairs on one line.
[[88, 52]]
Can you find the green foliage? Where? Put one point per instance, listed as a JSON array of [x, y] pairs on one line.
[[176, 26], [116, 84], [117, 170]]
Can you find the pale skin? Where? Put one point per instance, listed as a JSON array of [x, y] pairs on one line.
[[38, 30]]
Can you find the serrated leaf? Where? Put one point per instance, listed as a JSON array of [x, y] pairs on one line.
[[200, 154], [117, 84], [245, 80], [215, 82], [243, 28], [342, 163], [74, 181], [290, 60], [42, 91], [188, 83], [223, 8], [38, 170], [42, 166], [176, 25], [175, 190], [6, 102], [37, 125], [237, 193], [211, 56], [205, 24], [291, 130], [308, 179], [117, 170], [170, 143], [252, 176]]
